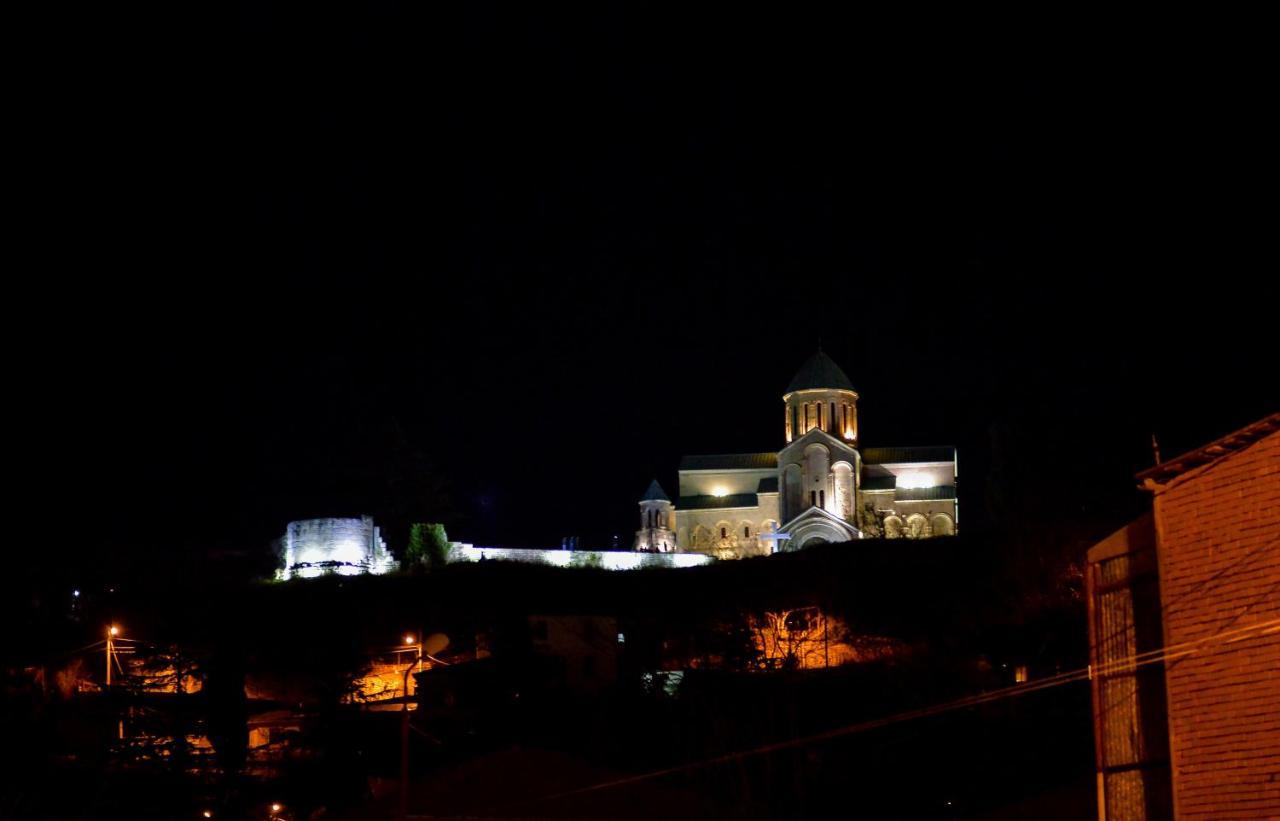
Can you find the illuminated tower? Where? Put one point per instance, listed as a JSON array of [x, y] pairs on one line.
[[818, 468], [655, 534], [821, 396]]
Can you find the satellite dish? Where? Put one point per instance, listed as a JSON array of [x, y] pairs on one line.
[[434, 643]]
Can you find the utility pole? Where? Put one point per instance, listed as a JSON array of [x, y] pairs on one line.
[[404, 726], [111, 650], [112, 631]]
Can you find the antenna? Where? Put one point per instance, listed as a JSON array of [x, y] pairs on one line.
[[1155, 448]]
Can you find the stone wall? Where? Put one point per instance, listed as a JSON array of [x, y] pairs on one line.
[[921, 519], [347, 546], [722, 482], [606, 559]]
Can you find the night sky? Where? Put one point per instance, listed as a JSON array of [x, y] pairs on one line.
[[504, 271]]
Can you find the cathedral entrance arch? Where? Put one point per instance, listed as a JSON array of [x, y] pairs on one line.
[[816, 526]]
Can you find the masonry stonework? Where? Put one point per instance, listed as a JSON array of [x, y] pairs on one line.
[[821, 487]]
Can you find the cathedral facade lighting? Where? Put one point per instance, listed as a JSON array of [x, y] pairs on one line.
[[823, 486]]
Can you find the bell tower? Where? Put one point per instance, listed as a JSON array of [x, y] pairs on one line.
[[656, 533]]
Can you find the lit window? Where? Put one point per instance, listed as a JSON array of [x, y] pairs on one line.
[[622, 638]]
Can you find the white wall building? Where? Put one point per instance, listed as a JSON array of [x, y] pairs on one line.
[[821, 487]]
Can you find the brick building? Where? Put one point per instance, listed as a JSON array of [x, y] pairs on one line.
[[1201, 730]]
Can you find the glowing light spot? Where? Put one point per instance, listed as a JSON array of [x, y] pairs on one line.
[[915, 481], [115, 631], [408, 639], [719, 492]]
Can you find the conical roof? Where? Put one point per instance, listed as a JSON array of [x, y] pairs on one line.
[[654, 493], [820, 372]]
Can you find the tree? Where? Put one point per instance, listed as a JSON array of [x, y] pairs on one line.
[[428, 546]]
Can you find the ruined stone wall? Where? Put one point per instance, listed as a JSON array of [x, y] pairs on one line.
[[313, 547]]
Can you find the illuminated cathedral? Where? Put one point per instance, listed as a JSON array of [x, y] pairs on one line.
[[821, 487]]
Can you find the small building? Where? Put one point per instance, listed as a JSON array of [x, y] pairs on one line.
[[1184, 635]]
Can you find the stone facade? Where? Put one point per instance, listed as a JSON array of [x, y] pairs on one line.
[[317, 547], [729, 531], [657, 522], [821, 487]]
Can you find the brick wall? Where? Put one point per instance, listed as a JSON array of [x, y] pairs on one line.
[[1219, 541]]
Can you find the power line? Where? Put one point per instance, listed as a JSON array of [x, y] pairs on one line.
[[1082, 674]]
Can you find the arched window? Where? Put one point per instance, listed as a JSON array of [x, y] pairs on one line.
[[724, 533], [746, 532]]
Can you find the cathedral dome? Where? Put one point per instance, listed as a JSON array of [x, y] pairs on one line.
[[820, 373]]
